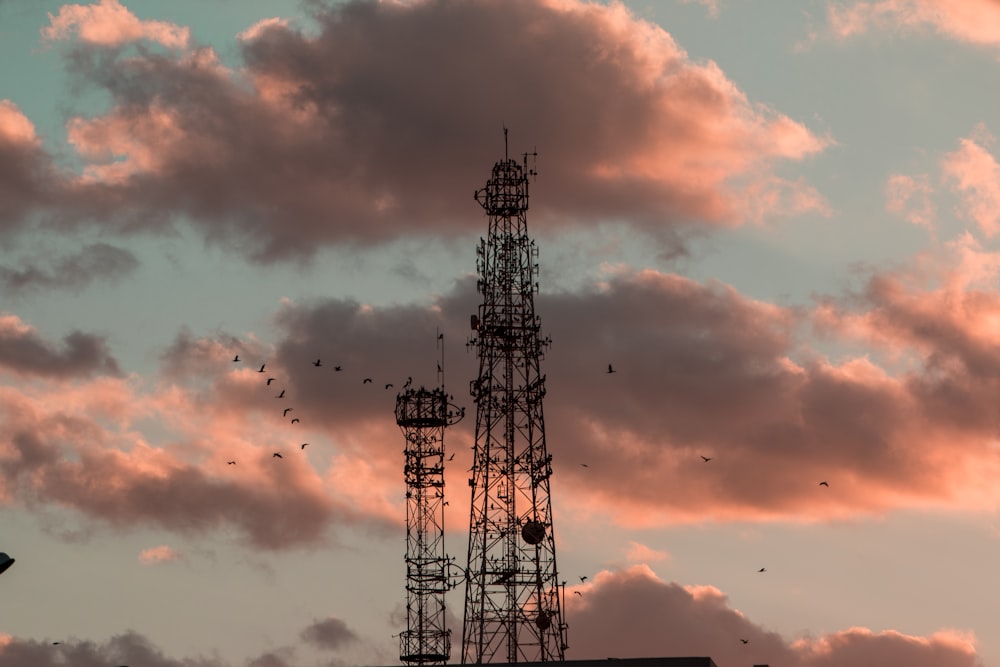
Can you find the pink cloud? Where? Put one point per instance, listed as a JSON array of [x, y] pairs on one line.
[[59, 437], [640, 553], [910, 198], [109, 23], [633, 613], [160, 554], [668, 140], [970, 21], [975, 175], [15, 128], [25, 352]]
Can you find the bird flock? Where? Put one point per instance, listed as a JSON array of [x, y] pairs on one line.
[[286, 409]]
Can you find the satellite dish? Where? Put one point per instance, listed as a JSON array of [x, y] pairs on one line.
[[5, 562], [533, 532], [543, 621]]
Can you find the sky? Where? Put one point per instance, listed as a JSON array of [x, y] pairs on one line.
[[777, 219]]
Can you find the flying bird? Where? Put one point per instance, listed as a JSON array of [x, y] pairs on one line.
[[706, 459], [281, 395], [366, 381], [317, 363], [277, 455], [269, 381], [287, 410], [763, 569], [824, 484], [452, 457], [236, 358], [745, 641], [578, 593], [232, 463], [611, 369], [583, 578], [388, 385], [337, 368], [262, 368], [304, 445], [295, 421], [584, 465]]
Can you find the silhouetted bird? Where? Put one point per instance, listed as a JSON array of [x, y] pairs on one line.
[[452, 457], [317, 364], [270, 380], [281, 395], [578, 593], [583, 578], [824, 484], [388, 385], [304, 445], [232, 463], [262, 368], [439, 369], [366, 381], [610, 369], [337, 368], [745, 641], [706, 459], [763, 569], [440, 336], [236, 358], [295, 421], [277, 455], [287, 410], [584, 465]]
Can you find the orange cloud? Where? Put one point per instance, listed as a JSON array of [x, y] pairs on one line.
[[668, 140], [910, 198], [971, 21], [109, 23], [633, 613], [160, 554], [975, 175]]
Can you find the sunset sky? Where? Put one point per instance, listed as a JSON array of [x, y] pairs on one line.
[[778, 219]]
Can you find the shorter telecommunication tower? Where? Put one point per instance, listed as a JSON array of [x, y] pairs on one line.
[[423, 414]]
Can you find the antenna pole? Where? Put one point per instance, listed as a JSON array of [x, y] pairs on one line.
[[513, 605]]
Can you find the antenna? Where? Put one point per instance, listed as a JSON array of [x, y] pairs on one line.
[[513, 600]]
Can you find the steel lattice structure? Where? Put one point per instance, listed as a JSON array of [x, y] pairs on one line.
[[513, 600], [423, 414]]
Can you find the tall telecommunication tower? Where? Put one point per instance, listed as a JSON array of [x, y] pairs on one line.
[[513, 605], [423, 414]]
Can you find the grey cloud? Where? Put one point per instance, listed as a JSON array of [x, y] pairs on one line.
[[74, 272], [81, 354]]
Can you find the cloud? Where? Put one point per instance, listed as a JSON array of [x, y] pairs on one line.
[[160, 554], [161, 454], [108, 23], [330, 633], [27, 177], [974, 174], [971, 21], [910, 198], [702, 369], [319, 139], [75, 271], [129, 648], [632, 613], [25, 352]]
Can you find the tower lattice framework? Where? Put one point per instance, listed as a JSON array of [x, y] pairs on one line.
[[513, 600], [422, 414]]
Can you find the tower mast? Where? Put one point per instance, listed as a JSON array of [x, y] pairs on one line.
[[513, 601], [423, 414]]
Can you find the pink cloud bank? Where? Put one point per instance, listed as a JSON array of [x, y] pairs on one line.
[[633, 613], [970, 21], [321, 139]]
